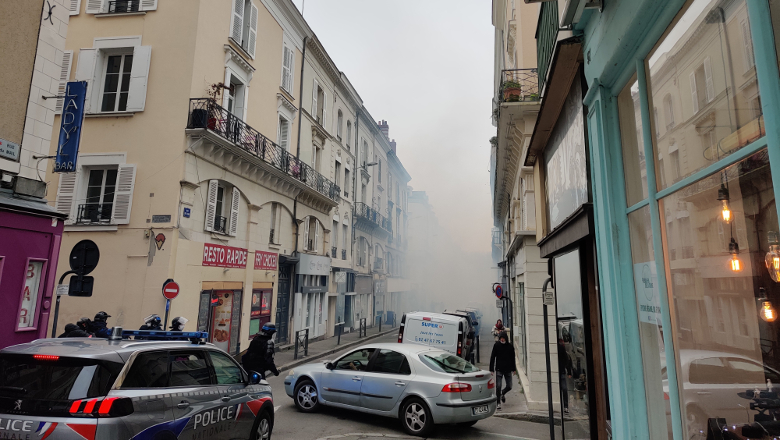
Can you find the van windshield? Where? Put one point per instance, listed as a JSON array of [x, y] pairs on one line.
[[447, 363], [61, 379]]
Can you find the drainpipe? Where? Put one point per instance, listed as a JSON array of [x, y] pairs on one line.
[[354, 179]]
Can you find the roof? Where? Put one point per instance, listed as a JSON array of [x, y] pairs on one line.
[[434, 316], [30, 205]]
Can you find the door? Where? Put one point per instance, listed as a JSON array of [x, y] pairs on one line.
[[283, 303], [342, 383], [195, 405], [384, 383], [233, 391]]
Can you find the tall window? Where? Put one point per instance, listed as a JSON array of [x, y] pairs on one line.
[[669, 112], [275, 218], [349, 132], [315, 157], [116, 84], [347, 182], [363, 194], [284, 133], [337, 176], [288, 67], [364, 153], [747, 41], [339, 122], [100, 196], [244, 25], [335, 241], [379, 170], [344, 236]]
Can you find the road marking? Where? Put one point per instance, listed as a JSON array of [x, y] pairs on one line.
[[276, 408], [396, 436]]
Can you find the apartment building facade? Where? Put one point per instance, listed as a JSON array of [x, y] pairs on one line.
[[212, 155]]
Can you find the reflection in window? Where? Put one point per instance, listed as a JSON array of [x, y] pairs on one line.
[[633, 144], [706, 63]]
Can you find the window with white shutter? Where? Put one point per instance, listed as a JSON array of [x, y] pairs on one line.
[[237, 21], [284, 133], [96, 6], [86, 70], [116, 78], [306, 243], [314, 95], [211, 205], [749, 57], [148, 5], [123, 198], [252, 40], [234, 207], [136, 100], [708, 78], [74, 7], [66, 192], [288, 65], [694, 94], [317, 236], [67, 61]]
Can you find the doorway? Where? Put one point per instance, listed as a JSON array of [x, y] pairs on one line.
[[283, 303]]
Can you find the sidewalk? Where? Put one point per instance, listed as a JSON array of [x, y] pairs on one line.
[[325, 347]]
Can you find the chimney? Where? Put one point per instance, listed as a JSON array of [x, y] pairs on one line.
[[384, 128], [392, 146]]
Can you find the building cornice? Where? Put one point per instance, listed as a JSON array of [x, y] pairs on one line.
[[286, 102], [315, 48], [232, 54]]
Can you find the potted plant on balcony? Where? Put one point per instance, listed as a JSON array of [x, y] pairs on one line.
[[512, 91]]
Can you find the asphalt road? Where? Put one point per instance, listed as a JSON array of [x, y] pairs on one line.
[[334, 424]]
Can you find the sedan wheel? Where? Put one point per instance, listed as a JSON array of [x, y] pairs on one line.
[[416, 418], [306, 396]]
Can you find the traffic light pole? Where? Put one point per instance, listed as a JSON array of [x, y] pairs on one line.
[[57, 306]]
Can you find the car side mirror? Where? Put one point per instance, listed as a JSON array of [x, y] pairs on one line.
[[254, 378], [330, 366]]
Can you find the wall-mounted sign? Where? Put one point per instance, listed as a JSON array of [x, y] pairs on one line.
[[266, 260], [647, 297], [159, 239], [313, 265], [9, 150], [187, 212], [70, 127], [161, 219], [216, 255]]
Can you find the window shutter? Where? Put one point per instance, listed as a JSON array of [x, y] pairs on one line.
[[95, 6], [65, 194], [287, 69], [252, 32], [290, 69], [708, 76], [283, 134], [234, 207], [237, 25], [136, 98], [749, 55], [694, 95], [324, 109], [211, 204], [148, 5], [86, 71], [67, 61], [317, 236], [314, 99], [75, 7], [306, 234], [123, 198]]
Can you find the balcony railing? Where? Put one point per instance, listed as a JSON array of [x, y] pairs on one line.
[[206, 113], [123, 6], [333, 252], [343, 254], [220, 224], [519, 85], [364, 211], [94, 213], [546, 36]]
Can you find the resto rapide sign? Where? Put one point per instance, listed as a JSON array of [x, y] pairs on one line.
[[216, 255]]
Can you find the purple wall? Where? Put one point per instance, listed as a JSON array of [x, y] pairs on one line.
[[25, 238]]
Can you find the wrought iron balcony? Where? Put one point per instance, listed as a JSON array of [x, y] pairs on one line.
[[123, 6], [205, 113], [333, 252], [90, 213], [220, 224], [343, 254], [519, 85]]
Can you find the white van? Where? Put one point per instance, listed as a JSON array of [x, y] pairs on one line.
[[446, 332]]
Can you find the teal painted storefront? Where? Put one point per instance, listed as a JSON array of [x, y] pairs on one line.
[[616, 44]]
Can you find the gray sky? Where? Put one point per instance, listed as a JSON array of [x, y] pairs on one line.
[[426, 67]]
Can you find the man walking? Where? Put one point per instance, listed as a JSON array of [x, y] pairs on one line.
[[259, 356], [502, 364]]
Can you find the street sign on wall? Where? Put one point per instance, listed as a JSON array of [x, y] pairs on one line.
[[70, 127]]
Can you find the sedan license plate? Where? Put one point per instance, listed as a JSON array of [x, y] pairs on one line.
[[478, 410]]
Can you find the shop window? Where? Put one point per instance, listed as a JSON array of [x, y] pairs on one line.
[[222, 208], [261, 310], [715, 86], [632, 143]]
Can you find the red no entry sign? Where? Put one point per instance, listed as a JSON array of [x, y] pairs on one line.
[[170, 290]]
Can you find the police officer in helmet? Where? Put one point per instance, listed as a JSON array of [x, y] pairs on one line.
[[99, 326], [260, 355]]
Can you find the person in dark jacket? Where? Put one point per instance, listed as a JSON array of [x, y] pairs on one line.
[[99, 326], [502, 364], [73, 331], [259, 356], [565, 369]]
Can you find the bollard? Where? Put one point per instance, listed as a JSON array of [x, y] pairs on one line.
[[306, 349], [303, 343], [340, 329]]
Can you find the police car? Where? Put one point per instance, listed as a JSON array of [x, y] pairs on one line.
[[173, 386]]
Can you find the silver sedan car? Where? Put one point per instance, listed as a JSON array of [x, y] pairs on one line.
[[420, 385]]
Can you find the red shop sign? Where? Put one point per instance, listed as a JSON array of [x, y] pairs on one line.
[[224, 256], [265, 260]]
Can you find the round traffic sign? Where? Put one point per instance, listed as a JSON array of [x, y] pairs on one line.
[[499, 291], [170, 290], [84, 257]]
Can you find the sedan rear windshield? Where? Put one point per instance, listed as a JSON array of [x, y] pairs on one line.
[[55, 379], [447, 363]]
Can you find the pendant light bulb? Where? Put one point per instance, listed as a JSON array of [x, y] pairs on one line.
[[723, 196], [767, 312], [772, 259], [736, 265]]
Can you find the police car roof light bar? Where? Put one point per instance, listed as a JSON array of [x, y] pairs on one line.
[[159, 335]]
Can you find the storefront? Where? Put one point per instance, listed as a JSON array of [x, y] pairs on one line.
[[684, 158], [310, 304], [360, 304], [262, 292], [31, 234]]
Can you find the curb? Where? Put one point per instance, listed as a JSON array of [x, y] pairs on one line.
[[533, 418], [306, 360]]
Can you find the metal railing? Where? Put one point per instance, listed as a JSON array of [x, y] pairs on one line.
[[333, 252], [546, 35], [339, 331], [366, 212], [363, 329], [301, 340], [519, 85], [343, 254], [94, 213], [271, 236], [206, 113], [123, 6], [220, 224]]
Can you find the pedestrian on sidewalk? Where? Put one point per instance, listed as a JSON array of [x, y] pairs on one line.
[[502, 364], [565, 369], [259, 357], [497, 329]]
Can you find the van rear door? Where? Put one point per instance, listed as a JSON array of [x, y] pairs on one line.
[[438, 334]]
